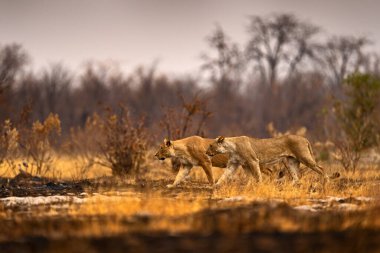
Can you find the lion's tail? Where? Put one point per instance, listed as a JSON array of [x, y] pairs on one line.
[[310, 149], [334, 175]]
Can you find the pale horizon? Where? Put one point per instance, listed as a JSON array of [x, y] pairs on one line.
[[172, 33]]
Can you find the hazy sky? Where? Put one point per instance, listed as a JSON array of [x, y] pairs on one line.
[[134, 32]]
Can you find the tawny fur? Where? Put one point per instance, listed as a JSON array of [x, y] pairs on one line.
[[191, 151], [254, 153]]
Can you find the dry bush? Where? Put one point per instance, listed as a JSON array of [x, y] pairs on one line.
[[38, 143], [122, 143], [8, 144], [189, 119], [347, 156], [355, 114]]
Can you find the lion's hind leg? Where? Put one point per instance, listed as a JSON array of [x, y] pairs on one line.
[[318, 169], [292, 165]]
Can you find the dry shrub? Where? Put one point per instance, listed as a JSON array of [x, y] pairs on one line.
[[122, 143], [38, 144], [355, 114], [188, 119], [8, 144], [347, 156]]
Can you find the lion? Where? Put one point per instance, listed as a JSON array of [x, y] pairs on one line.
[[189, 152], [254, 153]]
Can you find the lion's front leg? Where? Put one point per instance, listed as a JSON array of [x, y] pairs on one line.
[[181, 176], [231, 168], [254, 168], [208, 170]]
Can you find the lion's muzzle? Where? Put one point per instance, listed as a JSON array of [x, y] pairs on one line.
[[210, 153], [159, 157]]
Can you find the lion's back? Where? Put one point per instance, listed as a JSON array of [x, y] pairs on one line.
[[196, 147], [193, 146], [299, 145], [195, 142], [292, 145]]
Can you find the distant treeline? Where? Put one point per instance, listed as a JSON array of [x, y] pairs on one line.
[[283, 74]]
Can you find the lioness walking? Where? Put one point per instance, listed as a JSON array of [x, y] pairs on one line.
[[253, 153], [191, 151]]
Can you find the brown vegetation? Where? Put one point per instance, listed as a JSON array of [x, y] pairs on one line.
[[57, 139]]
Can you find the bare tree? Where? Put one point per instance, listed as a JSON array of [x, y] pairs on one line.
[[93, 91], [227, 61], [226, 65], [279, 43], [12, 60], [341, 56], [56, 83]]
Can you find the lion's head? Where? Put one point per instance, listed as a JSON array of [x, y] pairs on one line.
[[217, 147], [166, 150]]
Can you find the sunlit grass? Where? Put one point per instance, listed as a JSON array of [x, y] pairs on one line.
[[118, 210], [62, 167]]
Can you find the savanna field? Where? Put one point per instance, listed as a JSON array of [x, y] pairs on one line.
[[79, 163], [89, 210]]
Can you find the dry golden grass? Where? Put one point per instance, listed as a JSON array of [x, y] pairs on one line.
[[364, 182], [63, 167], [158, 208]]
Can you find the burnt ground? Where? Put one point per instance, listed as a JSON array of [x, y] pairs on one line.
[[25, 185]]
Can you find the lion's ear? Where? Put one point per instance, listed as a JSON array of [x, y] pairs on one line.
[[220, 139], [167, 142]]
